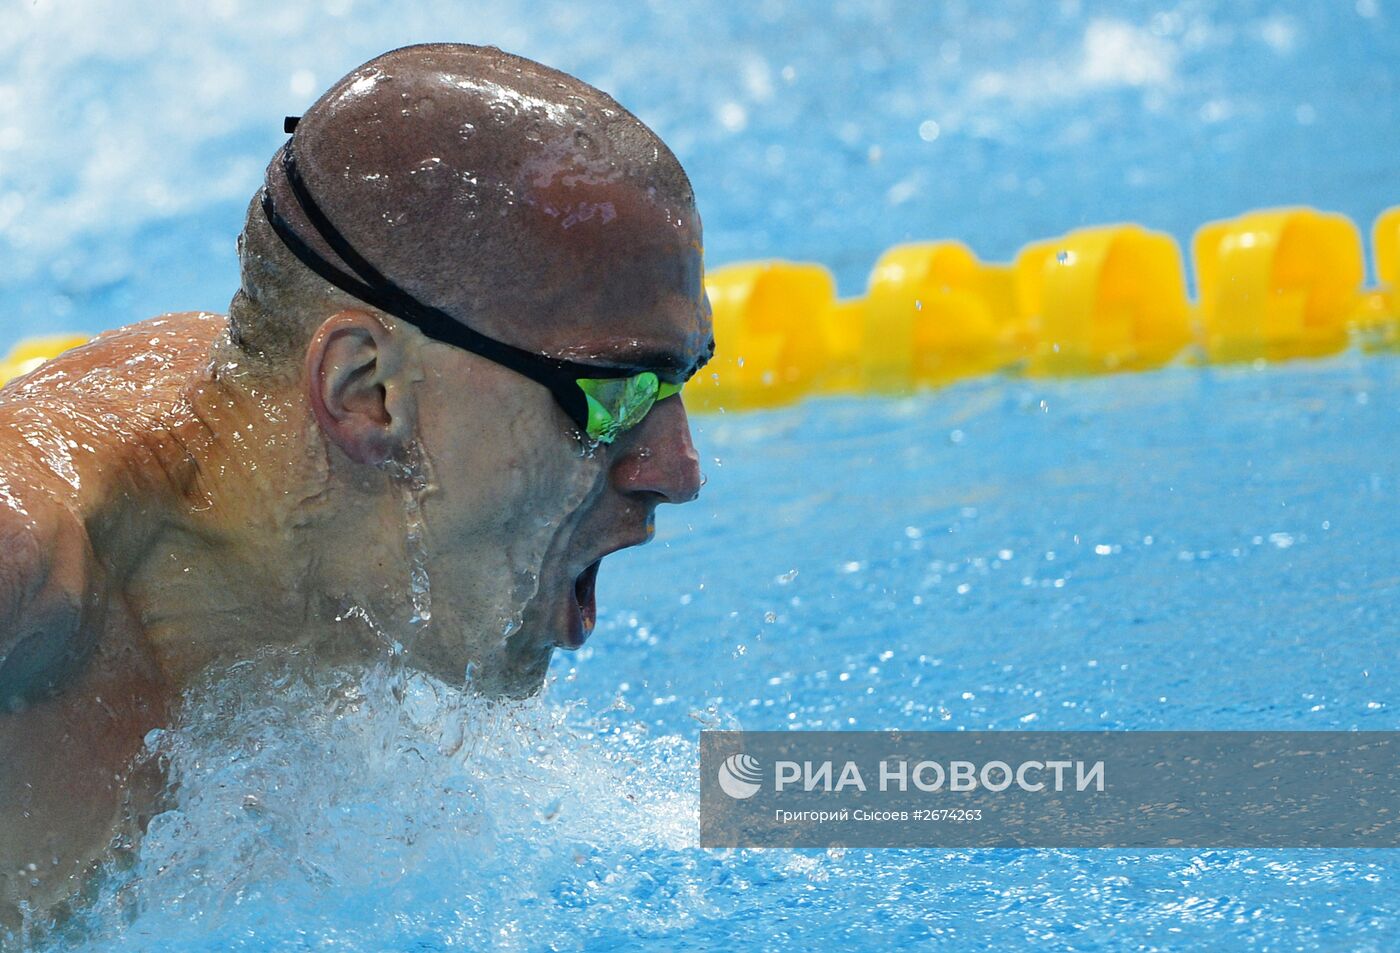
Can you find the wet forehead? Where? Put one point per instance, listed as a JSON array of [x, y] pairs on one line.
[[624, 286], [664, 328], [673, 348]]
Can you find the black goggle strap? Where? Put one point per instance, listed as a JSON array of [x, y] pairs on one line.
[[373, 288]]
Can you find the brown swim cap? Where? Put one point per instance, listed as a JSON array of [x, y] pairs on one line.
[[446, 166]]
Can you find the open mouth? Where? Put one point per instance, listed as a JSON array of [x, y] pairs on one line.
[[585, 595]]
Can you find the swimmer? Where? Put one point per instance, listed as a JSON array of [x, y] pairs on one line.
[[445, 390]]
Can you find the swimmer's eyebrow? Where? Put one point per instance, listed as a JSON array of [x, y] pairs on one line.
[[662, 362]]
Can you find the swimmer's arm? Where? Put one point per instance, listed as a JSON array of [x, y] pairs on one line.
[[42, 565]]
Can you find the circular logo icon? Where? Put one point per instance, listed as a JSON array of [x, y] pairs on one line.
[[740, 776]]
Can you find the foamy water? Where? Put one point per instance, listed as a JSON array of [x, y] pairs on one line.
[[375, 807]]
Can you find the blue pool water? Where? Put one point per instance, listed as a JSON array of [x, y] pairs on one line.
[[1190, 548]]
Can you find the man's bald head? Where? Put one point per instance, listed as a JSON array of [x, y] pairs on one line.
[[484, 184]]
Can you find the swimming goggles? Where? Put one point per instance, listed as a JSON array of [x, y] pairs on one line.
[[603, 402]]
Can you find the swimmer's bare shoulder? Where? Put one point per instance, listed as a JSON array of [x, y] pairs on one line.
[[84, 442], [73, 437]]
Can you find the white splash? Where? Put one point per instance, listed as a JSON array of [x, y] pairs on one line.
[[364, 805]]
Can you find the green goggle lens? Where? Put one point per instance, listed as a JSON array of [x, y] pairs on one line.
[[616, 404]]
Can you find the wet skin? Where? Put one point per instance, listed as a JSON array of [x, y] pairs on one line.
[[164, 511]]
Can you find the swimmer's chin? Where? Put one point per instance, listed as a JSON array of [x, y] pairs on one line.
[[514, 674], [516, 684]]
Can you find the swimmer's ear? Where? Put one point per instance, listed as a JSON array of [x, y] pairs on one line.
[[354, 373]]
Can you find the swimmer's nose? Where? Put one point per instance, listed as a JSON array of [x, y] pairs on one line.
[[659, 456]]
